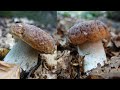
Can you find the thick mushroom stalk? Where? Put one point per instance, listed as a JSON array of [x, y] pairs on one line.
[[94, 54], [31, 40], [88, 36], [22, 54]]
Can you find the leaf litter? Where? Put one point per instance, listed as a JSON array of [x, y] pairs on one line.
[[69, 64]]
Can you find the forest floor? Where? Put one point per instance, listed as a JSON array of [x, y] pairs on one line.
[[69, 64]]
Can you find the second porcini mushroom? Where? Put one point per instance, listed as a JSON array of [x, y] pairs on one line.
[[31, 41], [88, 35]]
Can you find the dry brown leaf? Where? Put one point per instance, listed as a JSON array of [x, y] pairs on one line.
[[61, 30], [110, 44], [9, 71], [3, 52], [110, 70], [94, 77], [64, 60], [116, 41], [42, 73], [68, 65]]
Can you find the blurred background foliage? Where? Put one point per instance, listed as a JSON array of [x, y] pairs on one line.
[[81, 14], [68, 18], [50, 17], [114, 15], [43, 17]]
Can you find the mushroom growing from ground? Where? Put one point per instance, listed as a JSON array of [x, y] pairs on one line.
[[31, 41], [88, 35]]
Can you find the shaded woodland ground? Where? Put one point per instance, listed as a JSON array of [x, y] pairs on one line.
[[69, 64], [73, 66]]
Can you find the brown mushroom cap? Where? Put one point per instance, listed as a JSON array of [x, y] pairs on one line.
[[34, 36], [92, 31]]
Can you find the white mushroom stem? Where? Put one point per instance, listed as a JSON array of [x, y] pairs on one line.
[[94, 53], [23, 55]]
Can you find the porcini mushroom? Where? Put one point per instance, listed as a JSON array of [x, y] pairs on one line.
[[31, 41], [88, 35]]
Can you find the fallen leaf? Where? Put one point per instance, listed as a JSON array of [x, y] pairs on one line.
[[94, 77], [116, 41], [42, 73], [3, 52], [9, 71], [109, 70]]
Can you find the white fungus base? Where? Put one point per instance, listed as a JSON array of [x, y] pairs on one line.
[[23, 55], [94, 53]]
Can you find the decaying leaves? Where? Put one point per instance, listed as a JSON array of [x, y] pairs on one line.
[[9, 71], [110, 70], [116, 41], [46, 69], [42, 73], [3, 52]]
